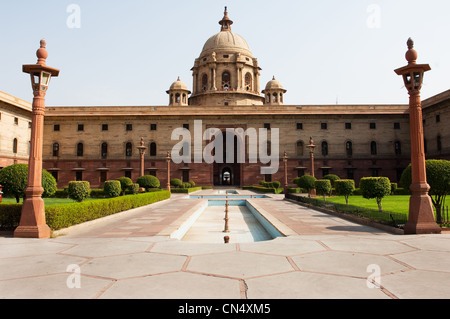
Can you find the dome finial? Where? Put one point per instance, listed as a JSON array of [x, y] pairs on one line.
[[225, 22], [42, 53], [411, 54]]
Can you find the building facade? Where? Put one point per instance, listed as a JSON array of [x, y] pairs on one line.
[[352, 141]]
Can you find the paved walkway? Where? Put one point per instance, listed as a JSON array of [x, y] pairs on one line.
[[131, 255]]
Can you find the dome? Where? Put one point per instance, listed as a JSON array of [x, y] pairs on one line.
[[178, 85], [226, 41], [274, 85]]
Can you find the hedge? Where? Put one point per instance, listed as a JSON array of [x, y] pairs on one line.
[[264, 189], [10, 216], [66, 215], [185, 190]]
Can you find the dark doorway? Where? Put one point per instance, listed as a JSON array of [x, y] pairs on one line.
[[228, 173]]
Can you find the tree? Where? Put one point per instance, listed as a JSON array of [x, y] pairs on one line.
[[344, 187], [14, 180], [323, 187], [148, 182], [306, 182], [113, 188], [438, 177], [375, 187], [125, 184]]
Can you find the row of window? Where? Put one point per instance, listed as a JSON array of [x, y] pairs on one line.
[[105, 127], [226, 81], [104, 149], [348, 148], [348, 126]]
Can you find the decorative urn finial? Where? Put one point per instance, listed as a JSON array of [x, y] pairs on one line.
[[411, 54], [42, 53]]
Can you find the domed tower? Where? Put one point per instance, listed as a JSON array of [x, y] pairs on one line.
[[178, 93], [226, 73], [274, 93]]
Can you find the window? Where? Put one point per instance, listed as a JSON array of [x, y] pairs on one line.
[[348, 126], [275, 97], [56, 127], [372, 126], [323, 126], [78, 176], [29, 124], [103, 176], [299, 126], [439, 143], [129, 149], [15, 146], [185, 176], [55, 175], [204, 82], [438, 118], [16, 120], [226, 80], [375, 172], [349, 148], [186, 126], [153, 149], [299, 148], [152, 127], [350, 173], [128, 174], [268, 178], [177, 98], [55, 149], [398, 148], [373, 148], [105, 127], [80, 149], [425, 146], [267, 126], [80, 127], [396, 126], [248, 82], [325, 172], [129, 127], [324, 148], [104, 150]]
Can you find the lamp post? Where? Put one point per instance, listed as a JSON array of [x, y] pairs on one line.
[[168, 159], [141, 149], [311, 147], [32, 221], [421, 214], [285, 158]]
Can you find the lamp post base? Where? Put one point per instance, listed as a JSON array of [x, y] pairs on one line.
[[32, 219], [421, 213]]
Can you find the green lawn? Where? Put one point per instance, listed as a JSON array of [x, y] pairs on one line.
[[394, 204], [47, 201]]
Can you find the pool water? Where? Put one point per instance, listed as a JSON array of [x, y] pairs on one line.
[[228, 196]]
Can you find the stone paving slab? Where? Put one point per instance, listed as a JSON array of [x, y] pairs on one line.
[[324, 257]]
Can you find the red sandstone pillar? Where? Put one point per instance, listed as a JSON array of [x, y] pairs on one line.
[[141, 149], [168, 159], [32, 221], [421, 215]]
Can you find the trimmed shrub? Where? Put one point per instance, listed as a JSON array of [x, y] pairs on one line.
[[176, 182], [393, 188], [112, 188], [185, 190], [79, 190], [192, 183], [332, 178], [148, 182], [125, 184], [10, 216], [186, 185], [133, 189], [97, 193], [344, 187], [323, 187], [306, 182], [438, 177], [66, 215], [276, 184], [14, 180], [375, 187]]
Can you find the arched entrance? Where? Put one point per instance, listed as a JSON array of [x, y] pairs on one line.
[[227, 173]]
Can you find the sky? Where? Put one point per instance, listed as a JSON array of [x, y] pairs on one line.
[[124, 53]]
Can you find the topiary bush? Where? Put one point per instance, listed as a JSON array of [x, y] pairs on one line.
[[192, 183], [14, 179], [148, 182], [276, 184], [344, 187], [125, 184], [323, 187], [306, 182], [79, 190], [112, 188], [133, 189], [438, 177], [176, 182], [375, 187]]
